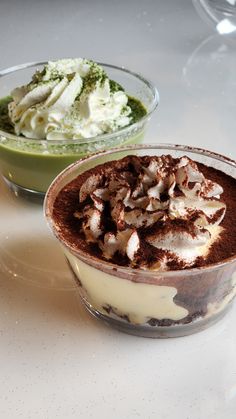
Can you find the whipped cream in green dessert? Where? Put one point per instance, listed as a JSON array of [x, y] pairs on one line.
[[71, 99], [60, 116]]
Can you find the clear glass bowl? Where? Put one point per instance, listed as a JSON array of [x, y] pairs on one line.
[[220, 14], [30, 165], [148, 303]]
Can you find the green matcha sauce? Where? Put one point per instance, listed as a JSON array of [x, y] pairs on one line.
[[138, 110], [5, 123]]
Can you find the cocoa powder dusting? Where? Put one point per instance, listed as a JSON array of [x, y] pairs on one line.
[[67, 203]]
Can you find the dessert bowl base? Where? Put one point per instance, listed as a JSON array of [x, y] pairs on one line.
[[20, 191], [148, 331]]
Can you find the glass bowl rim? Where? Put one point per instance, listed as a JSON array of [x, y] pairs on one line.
[[98, 138], [113, 268]]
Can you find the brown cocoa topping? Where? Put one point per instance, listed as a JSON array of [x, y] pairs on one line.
[[67, 203]]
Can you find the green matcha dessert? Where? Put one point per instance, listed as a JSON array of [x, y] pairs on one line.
[[69, 109]]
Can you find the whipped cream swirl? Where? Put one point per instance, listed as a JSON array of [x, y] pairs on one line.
[[155, 211], [69, 99]]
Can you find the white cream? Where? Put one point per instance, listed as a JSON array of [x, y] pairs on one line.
[[64, 102], [185, 246], [139, 301]]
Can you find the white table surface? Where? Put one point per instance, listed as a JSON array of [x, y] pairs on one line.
[[55, 360]]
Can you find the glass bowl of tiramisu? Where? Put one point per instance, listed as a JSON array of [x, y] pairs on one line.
[[150, 235], [54, 113]]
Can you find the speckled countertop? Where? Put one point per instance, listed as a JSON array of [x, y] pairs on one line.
[[55, 360]]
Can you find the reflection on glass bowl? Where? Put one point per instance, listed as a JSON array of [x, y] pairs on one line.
[[209, 80], [34, 258], [211, 68]]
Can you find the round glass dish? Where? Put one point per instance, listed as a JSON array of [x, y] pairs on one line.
[[141, 302], [220, 14], [30, 165]]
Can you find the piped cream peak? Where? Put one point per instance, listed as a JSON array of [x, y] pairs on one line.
[[69, 99]]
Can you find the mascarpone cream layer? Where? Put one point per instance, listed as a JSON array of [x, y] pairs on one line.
[[139, 301]]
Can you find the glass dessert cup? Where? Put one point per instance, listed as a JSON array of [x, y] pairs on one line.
[[144, 302], [29, 166]]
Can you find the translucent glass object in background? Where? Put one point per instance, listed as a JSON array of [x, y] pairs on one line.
[[219, 13]]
